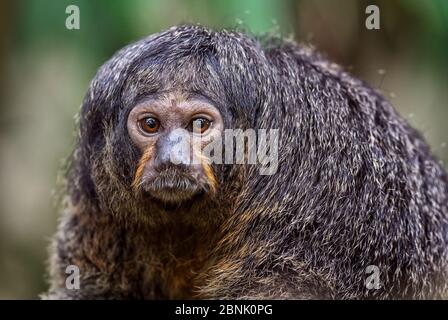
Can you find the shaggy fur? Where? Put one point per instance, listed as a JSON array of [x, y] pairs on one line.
[[356, 185]]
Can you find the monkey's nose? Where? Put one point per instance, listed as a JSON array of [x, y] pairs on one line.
[[173, 149]]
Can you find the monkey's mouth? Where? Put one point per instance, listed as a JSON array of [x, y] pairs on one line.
[[173, 187]]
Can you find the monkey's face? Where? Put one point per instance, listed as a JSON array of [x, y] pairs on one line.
[[171, 130]]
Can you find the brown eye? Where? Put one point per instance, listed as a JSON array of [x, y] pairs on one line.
[[200, 125], [149, 125]]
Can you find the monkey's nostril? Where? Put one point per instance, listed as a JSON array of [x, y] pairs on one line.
[[174, 148], [169, 169]]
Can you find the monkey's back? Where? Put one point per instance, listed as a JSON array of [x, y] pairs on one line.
[[358, 207]]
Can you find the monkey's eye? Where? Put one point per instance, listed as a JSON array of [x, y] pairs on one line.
[[200, 125], [149, 125]]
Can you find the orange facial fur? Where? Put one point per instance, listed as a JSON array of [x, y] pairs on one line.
[[141, 166], [205, 162]]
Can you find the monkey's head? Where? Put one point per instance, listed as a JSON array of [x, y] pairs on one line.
[[171, 130], [152, 109]]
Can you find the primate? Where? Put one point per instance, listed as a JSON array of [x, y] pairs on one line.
[[356, 188]]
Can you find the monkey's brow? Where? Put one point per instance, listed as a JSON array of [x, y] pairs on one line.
[[167, 95], [198, 96], [151, 97]]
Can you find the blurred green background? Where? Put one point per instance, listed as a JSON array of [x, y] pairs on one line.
[[46, 68]]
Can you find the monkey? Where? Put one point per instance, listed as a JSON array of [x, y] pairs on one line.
[[356, 187]]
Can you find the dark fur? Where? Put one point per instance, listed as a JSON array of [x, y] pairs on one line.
[[356, 185]]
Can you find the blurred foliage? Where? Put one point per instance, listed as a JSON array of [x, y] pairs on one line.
[[47, 69]]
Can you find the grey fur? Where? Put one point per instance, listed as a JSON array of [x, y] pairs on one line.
[[356, 185]]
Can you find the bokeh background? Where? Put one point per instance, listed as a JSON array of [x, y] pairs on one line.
[[46, 68]]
